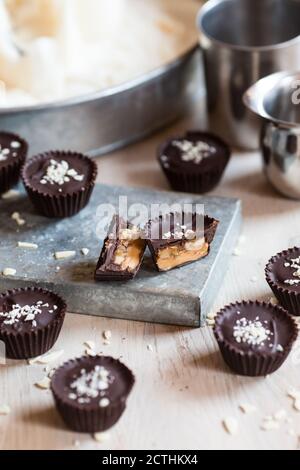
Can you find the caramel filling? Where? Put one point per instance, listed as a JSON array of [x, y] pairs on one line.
[[173, 256], [128, 254]]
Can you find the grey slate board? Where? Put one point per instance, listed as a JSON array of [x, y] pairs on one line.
[[179, 297]]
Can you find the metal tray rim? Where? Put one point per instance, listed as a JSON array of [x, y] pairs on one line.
[[108, 92]]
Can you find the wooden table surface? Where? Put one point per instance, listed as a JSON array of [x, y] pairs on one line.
[[183, 389]]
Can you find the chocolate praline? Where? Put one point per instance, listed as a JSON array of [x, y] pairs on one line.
[[59, 183], [195, 162], [91, 392], [122, 252], [178, 239], [254, 338], [13, 152], [30, 321], [283, 276]]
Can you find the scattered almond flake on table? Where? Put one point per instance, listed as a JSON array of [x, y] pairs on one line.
[[293, 393], [210, 322], [231, 425], [44, 384], [270, 425], [273, 301], [106, 342], [46, 358], [150, 348], [30, 246], [101, 437], [85, 251], [7, 272], [297, 404], [64, 254], [18, 219], [211, 316], [4, 410], [89, 344], [247, 408], [107, 335], [11, 194]]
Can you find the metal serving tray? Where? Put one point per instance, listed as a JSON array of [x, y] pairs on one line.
[[101, 122]]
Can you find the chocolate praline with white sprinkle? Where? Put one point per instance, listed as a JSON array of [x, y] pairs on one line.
[[254, 338], [13, 152], [195, 162], [59, 183], [283, 276], [30, 321], [91, 392]]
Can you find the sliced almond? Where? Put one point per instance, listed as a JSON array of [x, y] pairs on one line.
[[293, 393], [247, 408], [85, 251], [27, 245], [44, 384], [101, 437], [11, 194], [64, 254], [89, 344], [297, 404], [107, 335], [231, 425], [47, 358], [9, 272], [150, 348]]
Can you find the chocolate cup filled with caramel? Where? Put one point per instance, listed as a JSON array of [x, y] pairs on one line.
[[178, 239], [122, 252]]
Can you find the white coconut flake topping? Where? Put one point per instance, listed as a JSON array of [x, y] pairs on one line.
[[59, 172], [194, 151], [91, 385], [294, 263], [27, 313], [253, 333]]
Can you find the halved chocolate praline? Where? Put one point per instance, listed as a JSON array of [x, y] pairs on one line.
[[283, 276], [255, 338], [13, 152], [178, 239], [30, 321], [59, 183], [91, 392], [195, 162], [122, 252]]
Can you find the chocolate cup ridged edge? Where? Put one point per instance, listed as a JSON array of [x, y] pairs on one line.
[[60, 205], [11, 171], [21, 345], [191, 181], [253, 363], [90, 419], [289, 298]]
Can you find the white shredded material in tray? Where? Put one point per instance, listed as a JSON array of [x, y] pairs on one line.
[[56, 49]]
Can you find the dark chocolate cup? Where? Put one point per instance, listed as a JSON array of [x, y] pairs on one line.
[[288, 298], [42, 339], [253, 364], [199, 181], [89, 418], [61, 205], [10, 172]]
